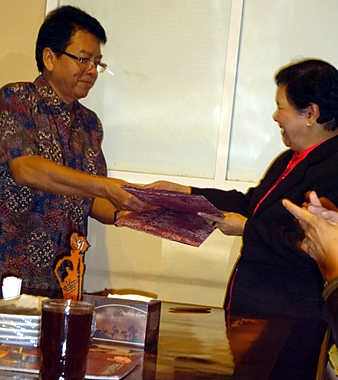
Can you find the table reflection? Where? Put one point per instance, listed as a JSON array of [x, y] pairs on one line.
[[215, 345]]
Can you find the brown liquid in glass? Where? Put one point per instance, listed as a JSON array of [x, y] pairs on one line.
[[63, 349]]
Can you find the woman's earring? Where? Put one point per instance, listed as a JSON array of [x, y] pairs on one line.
[[309, 125]]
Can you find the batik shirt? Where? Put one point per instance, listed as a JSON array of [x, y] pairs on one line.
[[35, 227]]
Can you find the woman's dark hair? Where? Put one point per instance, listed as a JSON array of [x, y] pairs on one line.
[[312, 81], [59, 27]]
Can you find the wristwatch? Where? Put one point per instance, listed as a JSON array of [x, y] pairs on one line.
[[116, 215]]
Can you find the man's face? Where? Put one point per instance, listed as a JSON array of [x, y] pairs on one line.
[[71, 79]]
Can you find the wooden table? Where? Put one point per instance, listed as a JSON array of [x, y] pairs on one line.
[[216, 346], [208, 345]]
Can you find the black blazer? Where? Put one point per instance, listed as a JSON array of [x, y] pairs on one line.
[[273, 276]]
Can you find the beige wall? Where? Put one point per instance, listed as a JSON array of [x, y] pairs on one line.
[[19, 24], [121, 258]]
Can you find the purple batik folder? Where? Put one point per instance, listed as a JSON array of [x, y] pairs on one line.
[[175, 218]]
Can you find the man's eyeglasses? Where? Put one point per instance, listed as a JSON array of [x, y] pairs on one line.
[[89, 63]]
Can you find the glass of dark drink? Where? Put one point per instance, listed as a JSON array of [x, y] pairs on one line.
[[66, 327]]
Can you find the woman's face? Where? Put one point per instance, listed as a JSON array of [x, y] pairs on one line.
[[292, 122]]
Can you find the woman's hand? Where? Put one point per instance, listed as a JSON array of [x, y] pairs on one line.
[[231, 224], [169, 186]]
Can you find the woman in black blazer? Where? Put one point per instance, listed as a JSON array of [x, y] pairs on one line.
[[273, 276]]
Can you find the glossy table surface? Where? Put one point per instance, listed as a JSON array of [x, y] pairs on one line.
[[207, 345]]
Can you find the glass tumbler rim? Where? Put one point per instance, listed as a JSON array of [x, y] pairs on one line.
[[69, 304]]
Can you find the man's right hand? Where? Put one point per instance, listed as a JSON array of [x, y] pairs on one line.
[[321, 238], [322, 207], [123, 200]]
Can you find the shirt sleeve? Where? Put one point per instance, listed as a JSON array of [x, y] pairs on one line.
[[232, 200], [18, 136]]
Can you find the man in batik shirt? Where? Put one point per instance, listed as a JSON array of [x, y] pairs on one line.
[[52, 169]]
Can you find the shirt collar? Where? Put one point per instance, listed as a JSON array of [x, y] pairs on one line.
[[297, 157], [52, 99]]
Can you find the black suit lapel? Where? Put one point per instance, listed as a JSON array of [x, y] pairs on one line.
[[294, 178], [272, 175], [291, 180]]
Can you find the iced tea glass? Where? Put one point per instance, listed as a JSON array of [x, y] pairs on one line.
[[66, 327]]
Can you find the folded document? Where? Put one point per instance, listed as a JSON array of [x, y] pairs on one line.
[[175, 218]]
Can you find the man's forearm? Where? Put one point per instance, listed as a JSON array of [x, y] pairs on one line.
[[42, 174], [45, 175]]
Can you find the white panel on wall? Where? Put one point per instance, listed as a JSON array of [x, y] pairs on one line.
[[274, 33], [161, 110]]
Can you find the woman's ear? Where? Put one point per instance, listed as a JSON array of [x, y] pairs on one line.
[[48, 57], [312, 113]]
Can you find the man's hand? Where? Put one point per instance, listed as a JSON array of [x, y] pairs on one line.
[[321, 238], [322, 207], [123, 200]]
